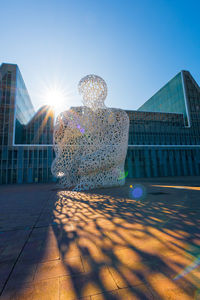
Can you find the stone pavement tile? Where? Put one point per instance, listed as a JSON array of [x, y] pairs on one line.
[[17, 220], [83, 298], [45, 243], [131, 269], [38, 233], [22, 273], [68, 250], [105, 224], [116, 238], [18, 294], [86, 284], [140, 292], [196, 241], [5, 269], [50, 253], [165, 234], [45, 222], [10, 252], [32, 254], [166, 288], [49, 247], [68, 228], [136, 293], [93, 227], [89, 229], [134, 231], [57, 268], [14, 235], [2, 249], [92, 264], [177, 266], [93, 252], [12, 243], [113, 295], [43, 290], [90, 232], [133, 258], [41, 246], [146, 243], [33, 244], [125, 277], [127, 256], [179, 260], [8, 236], [173, 245]]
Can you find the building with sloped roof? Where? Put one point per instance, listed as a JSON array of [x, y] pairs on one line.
[[164, 136], [164, 133], [26, 136]]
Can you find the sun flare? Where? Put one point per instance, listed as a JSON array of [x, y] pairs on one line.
[[57, 97], [54, 96]]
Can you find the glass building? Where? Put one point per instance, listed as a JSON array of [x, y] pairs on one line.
[[164, 134], [26, 136], [164, 137]]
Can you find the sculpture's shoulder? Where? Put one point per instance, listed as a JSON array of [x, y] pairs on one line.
[[119, 114], [77, 109], [63, 116], [118, 111], [71, 110]]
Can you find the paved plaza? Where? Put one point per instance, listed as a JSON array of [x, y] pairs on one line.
[[103, 244]]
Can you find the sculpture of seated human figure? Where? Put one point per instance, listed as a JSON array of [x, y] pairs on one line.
[[91, 141]]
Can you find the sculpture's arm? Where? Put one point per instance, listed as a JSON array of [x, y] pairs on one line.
[[112, 153], [103, 159], [67, 130], [66, 143]]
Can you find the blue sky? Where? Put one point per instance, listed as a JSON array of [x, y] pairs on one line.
[[136, 46]]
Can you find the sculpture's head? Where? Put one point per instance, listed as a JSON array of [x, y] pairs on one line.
[[93, 90]]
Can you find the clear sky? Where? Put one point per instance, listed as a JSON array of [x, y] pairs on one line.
[[135, 45]]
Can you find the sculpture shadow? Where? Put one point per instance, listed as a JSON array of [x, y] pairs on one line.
[[102, 243], [127, 244]]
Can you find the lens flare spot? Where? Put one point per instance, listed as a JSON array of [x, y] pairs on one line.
[[82, 130], [122, 175], [197, 294], [60, 174], [137, 192], [189, 268]]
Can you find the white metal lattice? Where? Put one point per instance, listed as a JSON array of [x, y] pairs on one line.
[[91, 141]]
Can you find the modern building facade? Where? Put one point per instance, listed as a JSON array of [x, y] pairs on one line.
[[164, 134], [25, 135], [164, 137]]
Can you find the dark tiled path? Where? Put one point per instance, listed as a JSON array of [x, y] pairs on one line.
[[57, 244]]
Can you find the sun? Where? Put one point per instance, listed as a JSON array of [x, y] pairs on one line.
[[54, 96], [57, 97]]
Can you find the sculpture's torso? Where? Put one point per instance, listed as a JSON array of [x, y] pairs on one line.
[[91, 141], [83, 136]]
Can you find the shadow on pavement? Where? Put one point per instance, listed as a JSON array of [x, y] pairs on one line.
[[103, 244]]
